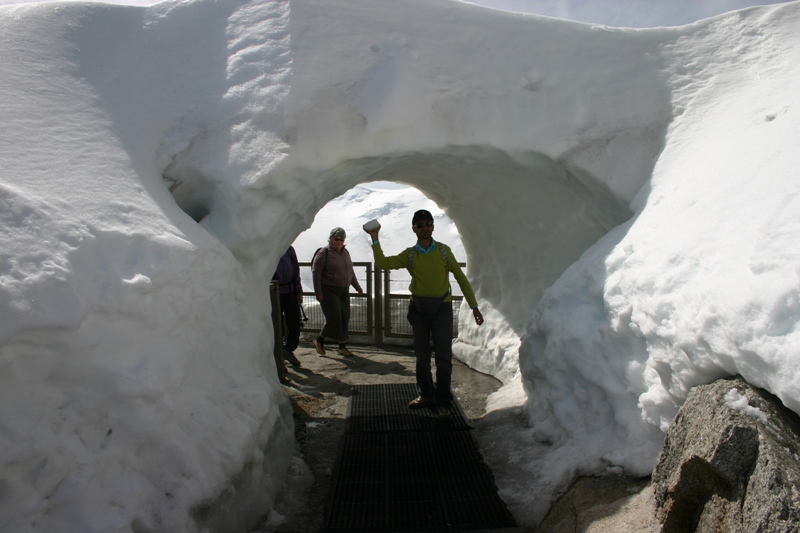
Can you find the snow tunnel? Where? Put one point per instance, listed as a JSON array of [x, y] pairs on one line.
[[530, 162], [523, 217], [534, 157], [536, 136]]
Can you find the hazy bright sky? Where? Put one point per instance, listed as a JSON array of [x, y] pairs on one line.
[[629, 13]]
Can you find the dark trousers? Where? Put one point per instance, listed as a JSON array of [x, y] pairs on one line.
[[438, 326], [336, 308], [291, 314]]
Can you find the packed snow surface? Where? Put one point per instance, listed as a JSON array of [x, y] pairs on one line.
[[627, 202]]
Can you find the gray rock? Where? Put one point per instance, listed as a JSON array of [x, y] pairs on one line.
[[730, 463], [603, 504]]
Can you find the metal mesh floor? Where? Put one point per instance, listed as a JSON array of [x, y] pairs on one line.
[[385, 408], [387, 478]]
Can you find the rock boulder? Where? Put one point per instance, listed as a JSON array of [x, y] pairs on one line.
[[730, 463]]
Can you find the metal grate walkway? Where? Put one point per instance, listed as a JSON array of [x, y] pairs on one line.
[[400, 470], [384, 408]]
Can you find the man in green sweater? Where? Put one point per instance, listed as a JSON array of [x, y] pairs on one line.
[[430, 311]]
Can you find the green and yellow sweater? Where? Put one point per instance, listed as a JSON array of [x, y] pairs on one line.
[[429, 273]]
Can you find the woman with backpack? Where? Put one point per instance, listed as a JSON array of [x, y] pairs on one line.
[[333, 275]]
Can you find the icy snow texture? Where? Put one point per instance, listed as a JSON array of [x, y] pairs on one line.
[[638, 185], [737, 402]]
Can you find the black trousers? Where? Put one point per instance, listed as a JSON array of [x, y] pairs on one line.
[[290, 308], [439, 327]]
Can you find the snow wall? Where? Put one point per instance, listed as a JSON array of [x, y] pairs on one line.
[[617, 192]]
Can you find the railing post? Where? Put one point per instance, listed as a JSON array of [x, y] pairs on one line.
[[370, 303], [378, 307], [387, 304]]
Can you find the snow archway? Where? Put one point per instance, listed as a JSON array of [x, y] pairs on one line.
[[135, 391], [523, 218]]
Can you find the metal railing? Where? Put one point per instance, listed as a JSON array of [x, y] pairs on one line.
[[395, 306], [379, 313], [362, 321]]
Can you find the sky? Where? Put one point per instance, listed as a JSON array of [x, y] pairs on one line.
[[625, 13], [622, 13], [626, 201]]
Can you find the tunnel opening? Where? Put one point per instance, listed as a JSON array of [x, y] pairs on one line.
[[523, 218], [393, 204], [377, 316]]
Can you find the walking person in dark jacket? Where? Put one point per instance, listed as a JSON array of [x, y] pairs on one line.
[[291, 290], [333, 274]]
